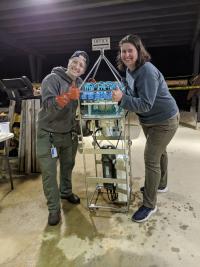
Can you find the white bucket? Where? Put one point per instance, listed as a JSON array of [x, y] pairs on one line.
[[4, 127]]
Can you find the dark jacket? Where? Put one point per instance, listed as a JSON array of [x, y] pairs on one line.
[[51, 117]]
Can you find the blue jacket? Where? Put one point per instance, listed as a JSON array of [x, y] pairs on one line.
[[148, 95]]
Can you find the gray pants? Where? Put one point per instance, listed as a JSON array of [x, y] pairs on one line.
[[66, 149], [158, 137]]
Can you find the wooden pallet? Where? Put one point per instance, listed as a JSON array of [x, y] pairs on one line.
[[28, 162]]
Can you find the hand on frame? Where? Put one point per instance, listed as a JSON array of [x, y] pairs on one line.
[[117, 95]]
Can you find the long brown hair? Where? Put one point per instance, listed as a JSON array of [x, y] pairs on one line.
[[143, 55]]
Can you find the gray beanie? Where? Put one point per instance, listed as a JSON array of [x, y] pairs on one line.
[[83, 54]]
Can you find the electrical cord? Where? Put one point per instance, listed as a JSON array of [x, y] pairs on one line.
[[95, 138], [112, 194], [110, 187]]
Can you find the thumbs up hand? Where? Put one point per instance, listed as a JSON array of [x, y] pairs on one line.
[[73, 92]]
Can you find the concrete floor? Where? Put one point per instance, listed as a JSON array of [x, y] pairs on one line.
[[170, 238]]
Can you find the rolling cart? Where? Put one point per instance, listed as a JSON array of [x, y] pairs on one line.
[[107, 150]]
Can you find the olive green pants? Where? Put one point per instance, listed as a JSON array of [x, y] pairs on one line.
[[66, 147], [158, 137]]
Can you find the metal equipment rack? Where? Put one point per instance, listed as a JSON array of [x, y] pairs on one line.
[[112, 129]]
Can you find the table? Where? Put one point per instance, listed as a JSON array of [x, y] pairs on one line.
[[4, 137]]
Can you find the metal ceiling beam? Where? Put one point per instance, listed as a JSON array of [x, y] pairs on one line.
[[109, 30], [114, 5], [87, 47], [7, 5], [115, 38], [68, 50], [63, 38], [66, 7], [88, 17], [114, 44], [185, 17], [163, 21]]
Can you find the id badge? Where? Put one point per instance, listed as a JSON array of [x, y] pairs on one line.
[[54, 153]]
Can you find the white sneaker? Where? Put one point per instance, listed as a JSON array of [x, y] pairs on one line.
[[162, 189]]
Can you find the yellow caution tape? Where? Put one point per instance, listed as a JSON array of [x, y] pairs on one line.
[[185, 87]]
